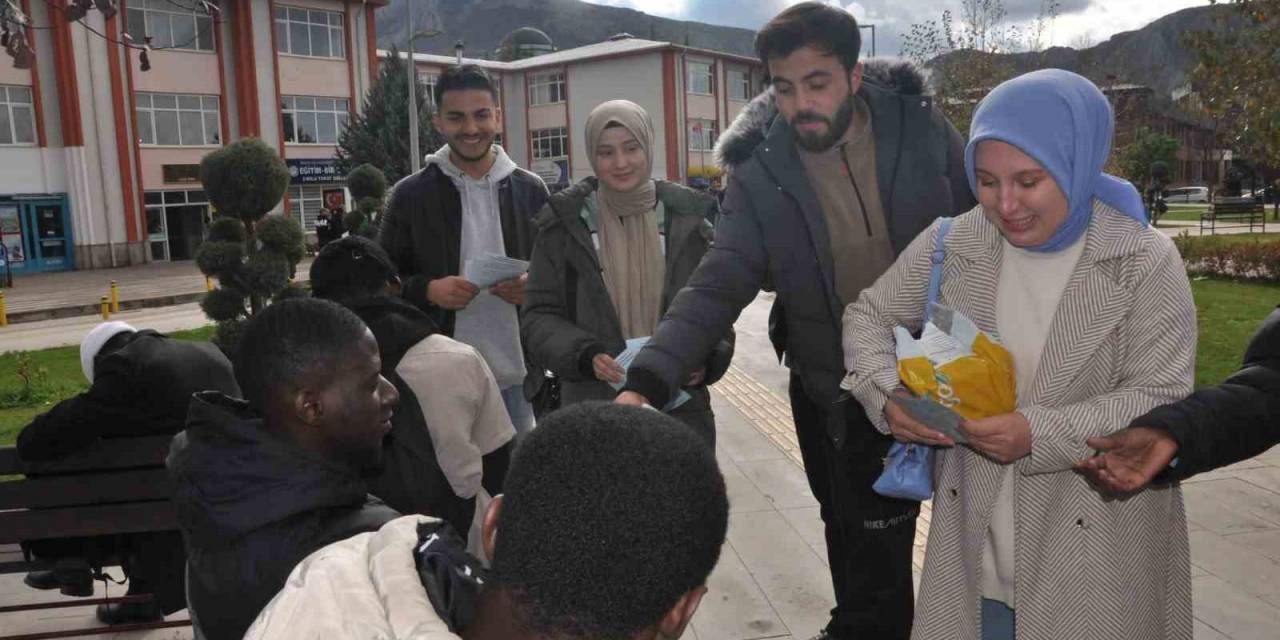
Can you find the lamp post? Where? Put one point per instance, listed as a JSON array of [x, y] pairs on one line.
[[411, 71], [872, 27]]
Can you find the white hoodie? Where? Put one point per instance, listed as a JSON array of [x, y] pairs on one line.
[[489, 323]]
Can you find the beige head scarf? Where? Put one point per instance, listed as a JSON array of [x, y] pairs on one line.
[[630, 246]]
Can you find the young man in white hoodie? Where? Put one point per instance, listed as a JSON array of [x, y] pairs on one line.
[[469, 201]]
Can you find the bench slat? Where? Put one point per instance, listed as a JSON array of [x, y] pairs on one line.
[[107, 453], [135, 517], [89, 488]]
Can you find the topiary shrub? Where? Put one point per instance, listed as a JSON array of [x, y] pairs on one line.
[[251, 258]]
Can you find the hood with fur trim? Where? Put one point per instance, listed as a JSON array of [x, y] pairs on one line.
[[751, 126]]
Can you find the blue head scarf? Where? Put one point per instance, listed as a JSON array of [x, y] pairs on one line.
[[1064, 122]]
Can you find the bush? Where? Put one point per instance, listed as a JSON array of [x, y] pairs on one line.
[[284, 236], [1222, 257], [226, 229], [218, 258], [223, 304], [245, 179], [367, 181]]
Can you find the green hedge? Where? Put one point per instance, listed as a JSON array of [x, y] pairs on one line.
[[1250, 258]]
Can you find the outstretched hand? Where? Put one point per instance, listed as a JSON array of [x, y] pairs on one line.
[[1128, 459]]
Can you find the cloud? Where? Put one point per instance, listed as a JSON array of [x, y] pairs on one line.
[[1098, 19]]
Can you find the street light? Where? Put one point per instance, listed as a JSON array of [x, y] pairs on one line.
[[872, 27], [415, 160]]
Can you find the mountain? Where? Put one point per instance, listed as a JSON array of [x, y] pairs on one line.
[[482, 24], [1153, 55]]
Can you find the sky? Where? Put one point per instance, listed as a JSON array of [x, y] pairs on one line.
[[1078, 22]]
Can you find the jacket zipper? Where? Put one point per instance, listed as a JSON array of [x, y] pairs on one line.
[[848, 171]]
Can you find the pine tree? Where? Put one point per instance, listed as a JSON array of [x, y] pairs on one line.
[[379, 134]]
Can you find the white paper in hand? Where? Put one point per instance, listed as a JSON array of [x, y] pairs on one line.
[[625, 359], [490, 269]]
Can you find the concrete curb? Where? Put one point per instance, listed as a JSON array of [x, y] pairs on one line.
[[70, 311]]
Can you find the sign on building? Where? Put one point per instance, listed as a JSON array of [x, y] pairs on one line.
[[313, 170]]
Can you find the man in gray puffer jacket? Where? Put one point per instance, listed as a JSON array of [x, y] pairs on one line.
[[830, 178]]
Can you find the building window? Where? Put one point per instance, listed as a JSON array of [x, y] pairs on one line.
[[549, 144], [309, 32], [170, 25], [739, 85], [17, 119], [702, 134], [178, 120], [314, 120], [430, 80], [700, 78], [546, 88], [305, 203]]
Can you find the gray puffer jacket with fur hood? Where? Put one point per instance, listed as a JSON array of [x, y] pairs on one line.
[[772, 234]]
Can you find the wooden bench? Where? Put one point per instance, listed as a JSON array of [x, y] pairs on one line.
[[116, 486], [1235, 214]]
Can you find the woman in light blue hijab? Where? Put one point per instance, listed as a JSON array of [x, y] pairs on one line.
[[1057, 262]]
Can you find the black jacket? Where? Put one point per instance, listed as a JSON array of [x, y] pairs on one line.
[[772, 234], [569, 318], [411, 480], [1234, 421], [251, 506], [422, 229], [141, 388]]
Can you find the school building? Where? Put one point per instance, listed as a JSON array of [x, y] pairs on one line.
[[101, 140], [691, 94]]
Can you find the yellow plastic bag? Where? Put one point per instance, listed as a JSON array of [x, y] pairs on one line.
[[958, 366]]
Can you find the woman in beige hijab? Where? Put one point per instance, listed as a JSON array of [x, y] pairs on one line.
[[612, 251]]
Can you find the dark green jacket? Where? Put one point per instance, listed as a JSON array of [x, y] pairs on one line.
[[568, 317]]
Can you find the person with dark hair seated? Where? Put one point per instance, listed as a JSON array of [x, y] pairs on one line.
[[263, 482], [140, 384], [613, 518], [451, 436]]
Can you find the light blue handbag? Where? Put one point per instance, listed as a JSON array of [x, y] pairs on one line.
[[908, 469]]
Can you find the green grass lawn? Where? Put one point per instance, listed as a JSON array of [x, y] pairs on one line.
[[64, 379], [1228, 314], [1184, 212]]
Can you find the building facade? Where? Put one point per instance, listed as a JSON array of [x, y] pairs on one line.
[[101, 138], [101, 149], [691, 94]]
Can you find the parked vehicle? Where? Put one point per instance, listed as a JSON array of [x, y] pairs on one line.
[[1187, 194]]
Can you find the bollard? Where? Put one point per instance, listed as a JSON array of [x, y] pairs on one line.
[[4, 315], [115, 297], [208, 283], [106, 308]]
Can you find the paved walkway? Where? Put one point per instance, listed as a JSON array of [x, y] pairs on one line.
[[772, 579], [42, 296]]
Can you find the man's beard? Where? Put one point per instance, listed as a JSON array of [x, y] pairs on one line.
[[836, 127], [458, 152]]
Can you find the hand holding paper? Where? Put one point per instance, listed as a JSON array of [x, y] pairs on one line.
[[490, 269], [625, 359]]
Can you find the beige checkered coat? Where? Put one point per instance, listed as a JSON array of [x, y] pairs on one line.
[[1123, 341]]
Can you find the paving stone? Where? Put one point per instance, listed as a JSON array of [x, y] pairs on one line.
[[1233, 612], [781, 481], [1202, 631], [1266, 477], [1232, 506], [788, 571], [735, 608], [1265, 542], [1240, 566], [743, 494]]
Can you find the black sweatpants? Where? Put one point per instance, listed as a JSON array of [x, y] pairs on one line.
[[869, 537]]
